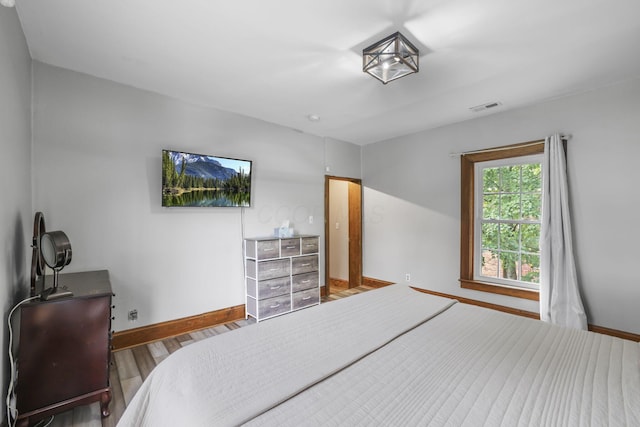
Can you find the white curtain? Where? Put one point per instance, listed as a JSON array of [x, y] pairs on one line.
[[560, 301]]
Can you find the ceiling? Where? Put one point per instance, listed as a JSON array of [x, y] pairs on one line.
[[283, 60]]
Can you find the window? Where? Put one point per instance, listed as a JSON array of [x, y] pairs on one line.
[[500, 220], [507, 221]]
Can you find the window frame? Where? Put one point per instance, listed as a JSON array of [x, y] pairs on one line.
[[468, 212], [479, 217]]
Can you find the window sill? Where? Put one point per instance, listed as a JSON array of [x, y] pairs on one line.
[[502, 290]]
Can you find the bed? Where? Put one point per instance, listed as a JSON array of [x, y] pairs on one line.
[[395, 356]]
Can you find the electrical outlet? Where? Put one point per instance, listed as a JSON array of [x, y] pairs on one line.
[[407, 277], [133, 315], [310, 219]]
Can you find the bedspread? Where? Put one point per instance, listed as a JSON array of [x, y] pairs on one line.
[[471, 366], [231, 378], [395, 357]]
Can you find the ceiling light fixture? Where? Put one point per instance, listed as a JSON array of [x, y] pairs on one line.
[[390, 58], [8, 3]]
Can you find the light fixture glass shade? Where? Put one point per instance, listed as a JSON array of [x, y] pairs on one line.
[[390, 58]]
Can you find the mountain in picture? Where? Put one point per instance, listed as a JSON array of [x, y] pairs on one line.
[[201, 166]]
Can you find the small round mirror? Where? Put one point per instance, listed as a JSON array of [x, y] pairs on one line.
[[55, 249]]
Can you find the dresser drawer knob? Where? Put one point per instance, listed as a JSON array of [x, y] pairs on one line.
[[291, 247], [305, 265], [275, 287], [274, 269], [275, 306], [306, 298], [268, 249], [306, 281]]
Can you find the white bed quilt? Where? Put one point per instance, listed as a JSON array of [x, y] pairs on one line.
[[395, 357], [231, 378], [471, 366]]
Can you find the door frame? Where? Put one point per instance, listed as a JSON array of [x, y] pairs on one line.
[[355, 231]]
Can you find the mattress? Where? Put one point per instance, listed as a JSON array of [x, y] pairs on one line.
[[396, 357]]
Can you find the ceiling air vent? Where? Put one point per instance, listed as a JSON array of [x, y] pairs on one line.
[[486, 106]]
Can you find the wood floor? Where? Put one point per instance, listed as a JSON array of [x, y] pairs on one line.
[[130, 367]]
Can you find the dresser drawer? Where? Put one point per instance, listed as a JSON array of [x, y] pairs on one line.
[[265, 270], [274, 306], [304, 264], [305, 298], [309, 245], [304, 281], [268, 288], [289, 247], [267, 249]]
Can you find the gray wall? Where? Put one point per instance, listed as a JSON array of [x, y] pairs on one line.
[[342, 159], [412, 192], [97, 147], [15, 174], [97, 176]]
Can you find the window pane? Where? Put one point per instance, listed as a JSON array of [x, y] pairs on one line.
[[489, 236], [531, 206], [530, 237], [510, 206], [489, 266], [530, 271], [490, 206], [532, 177], [491, 180], [508, 264], [509, 237], [510, 179]]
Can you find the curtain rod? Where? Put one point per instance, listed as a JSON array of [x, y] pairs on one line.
[[489, 150]]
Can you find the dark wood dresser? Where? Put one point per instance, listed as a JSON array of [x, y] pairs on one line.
[[64, 348]]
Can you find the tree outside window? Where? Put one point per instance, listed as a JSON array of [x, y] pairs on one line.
[[509, 223]]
